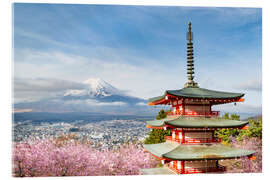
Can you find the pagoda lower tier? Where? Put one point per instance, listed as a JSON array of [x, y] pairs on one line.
[[199, 123], [188, 159]]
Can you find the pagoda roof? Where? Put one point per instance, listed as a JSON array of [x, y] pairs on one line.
[[198, 122], [175, 151], [196, 92]]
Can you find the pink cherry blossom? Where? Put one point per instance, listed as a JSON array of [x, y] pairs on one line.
[[48, 158]]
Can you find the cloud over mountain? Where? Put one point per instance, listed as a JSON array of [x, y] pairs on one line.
[[56, 95]]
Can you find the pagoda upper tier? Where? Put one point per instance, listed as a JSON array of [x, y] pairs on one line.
[[195, 95], [195, 101]]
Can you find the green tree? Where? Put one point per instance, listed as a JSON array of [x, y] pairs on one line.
[[225, 134], [157, 135], [235, 117], [226, 116], [161, 115], [254, 129]]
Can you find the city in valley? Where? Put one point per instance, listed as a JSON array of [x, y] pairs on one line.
[[102, 134]]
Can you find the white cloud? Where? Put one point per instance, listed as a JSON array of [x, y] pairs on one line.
[[34, 89], [117, 103], [93, 103], [252, 85], [141, 104], [45, 84], [43, 57], [239, 108]]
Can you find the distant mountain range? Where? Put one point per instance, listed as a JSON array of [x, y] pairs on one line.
[[252, 117], [98, 96]]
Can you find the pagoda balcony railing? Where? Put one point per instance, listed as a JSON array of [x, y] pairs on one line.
[[193, 113], [219, 168], [172, 139], [194, 140], [173, 113], [201, 140]]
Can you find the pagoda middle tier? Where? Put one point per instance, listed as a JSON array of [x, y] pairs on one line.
[[189, 123], [190, 130]]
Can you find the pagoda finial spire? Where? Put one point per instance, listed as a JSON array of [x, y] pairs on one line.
[[190, 65]]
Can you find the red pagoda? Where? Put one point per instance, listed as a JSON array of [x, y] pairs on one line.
[[192, 147]]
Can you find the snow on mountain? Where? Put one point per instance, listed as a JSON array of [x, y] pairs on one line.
[[101, 91], [95, 87], [99, 87]]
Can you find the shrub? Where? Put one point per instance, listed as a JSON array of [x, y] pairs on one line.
[[161, 114], [157, 135]]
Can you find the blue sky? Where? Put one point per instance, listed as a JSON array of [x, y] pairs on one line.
[[139, 49]]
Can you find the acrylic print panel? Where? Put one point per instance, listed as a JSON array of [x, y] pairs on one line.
[[89, 79]]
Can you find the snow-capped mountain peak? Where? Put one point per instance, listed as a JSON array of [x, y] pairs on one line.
[[95, 87], [98, 87]]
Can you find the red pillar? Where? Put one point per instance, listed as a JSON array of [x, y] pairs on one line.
[[183, 105], [183, 136], [182, 167]]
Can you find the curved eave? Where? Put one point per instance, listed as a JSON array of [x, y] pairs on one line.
[[160, 149], [206, 152], [194, 122], [155, 123], [205, 97], [158, 123], [156, 100], [198, 93], [203, 93], [174, 151]]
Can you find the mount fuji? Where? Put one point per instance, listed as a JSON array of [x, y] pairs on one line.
[[96, 87], [101, 91], [96, 96]]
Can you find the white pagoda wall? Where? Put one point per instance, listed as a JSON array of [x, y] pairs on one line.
[[176, 134], [176, 165]]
